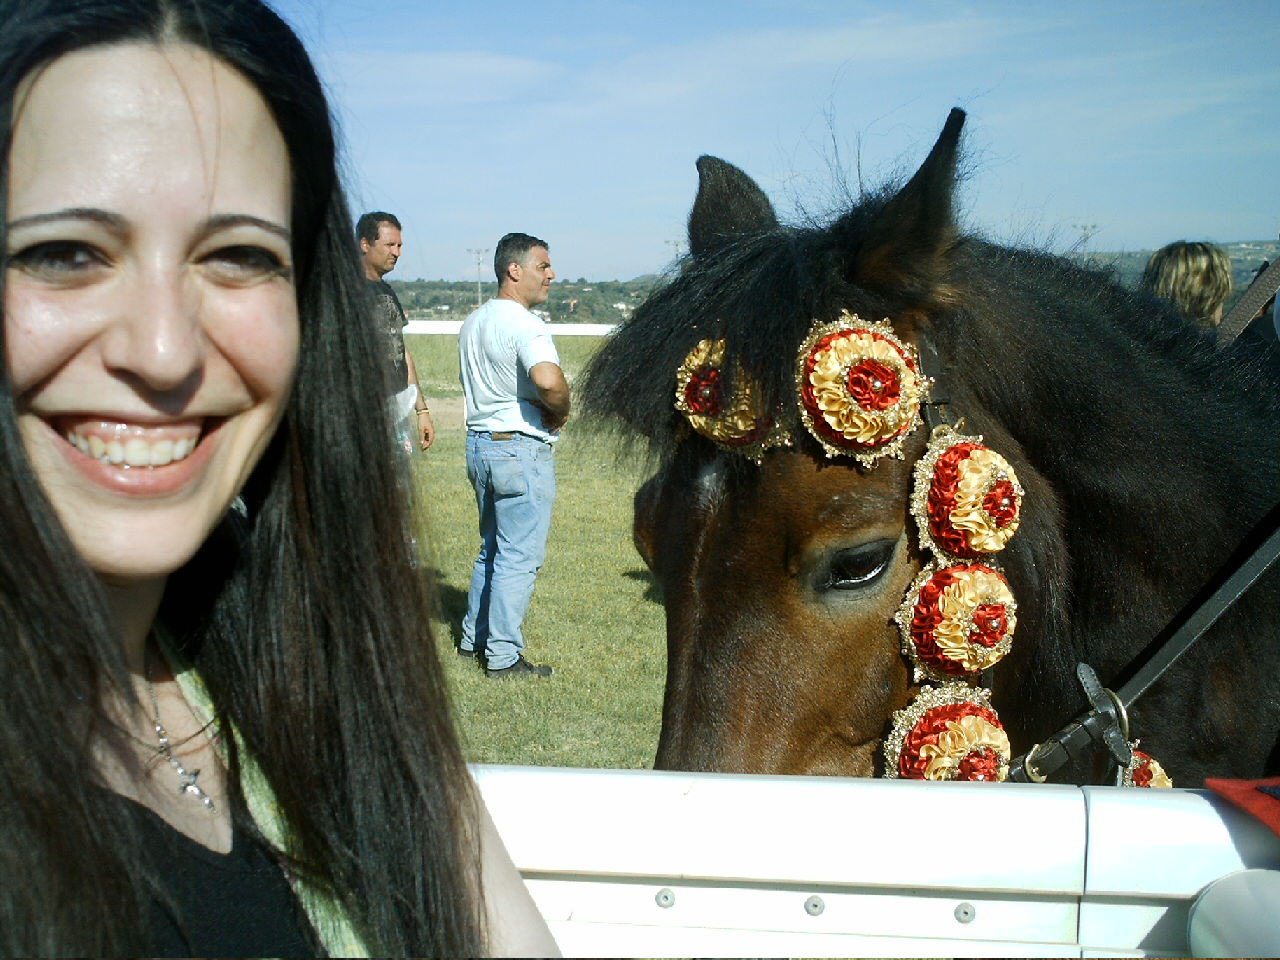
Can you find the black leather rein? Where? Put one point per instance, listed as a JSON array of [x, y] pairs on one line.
[[1106, 723]]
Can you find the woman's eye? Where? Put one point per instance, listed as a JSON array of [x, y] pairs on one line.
[[856, 567], [57, 259], [245, 263]]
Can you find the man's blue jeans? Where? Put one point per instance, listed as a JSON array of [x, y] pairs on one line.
[[515, 484]]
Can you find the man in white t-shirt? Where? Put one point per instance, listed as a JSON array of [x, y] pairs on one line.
[[517, 401]]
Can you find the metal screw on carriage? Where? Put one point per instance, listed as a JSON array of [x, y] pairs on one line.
[[814, 906], [965, 913], [665, 898]]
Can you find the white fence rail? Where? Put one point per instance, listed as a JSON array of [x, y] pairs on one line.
[[659, 864], [557, 329]]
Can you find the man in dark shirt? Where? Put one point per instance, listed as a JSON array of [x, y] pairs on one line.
[[380, 239]]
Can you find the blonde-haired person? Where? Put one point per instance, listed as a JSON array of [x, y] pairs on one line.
[[1194, 276], [223, 727]]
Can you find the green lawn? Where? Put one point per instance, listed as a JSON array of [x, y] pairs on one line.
[[595, 615]]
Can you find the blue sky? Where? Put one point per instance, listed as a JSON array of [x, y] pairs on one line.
[[1143, 122]]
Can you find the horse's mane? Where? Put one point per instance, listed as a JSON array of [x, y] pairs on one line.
[[1154, 450], [1017, 311]]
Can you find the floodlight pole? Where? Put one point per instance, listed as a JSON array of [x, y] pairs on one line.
[[1087, 230], [479, 255], [676, 246]]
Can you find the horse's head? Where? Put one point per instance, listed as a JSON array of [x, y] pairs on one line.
[[778, 379], [782, 566]]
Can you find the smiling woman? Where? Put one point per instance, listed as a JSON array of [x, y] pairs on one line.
[[150, 296], [206, 750]]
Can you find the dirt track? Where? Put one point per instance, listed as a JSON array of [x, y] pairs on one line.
[[447, 413]]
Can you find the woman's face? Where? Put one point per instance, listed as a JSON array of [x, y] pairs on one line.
[[150, 318]]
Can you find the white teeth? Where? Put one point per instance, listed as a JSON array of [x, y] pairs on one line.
[[135, 451], [161, 453]]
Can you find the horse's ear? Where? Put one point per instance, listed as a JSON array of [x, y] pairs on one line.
[[904, 247], [729, 204]]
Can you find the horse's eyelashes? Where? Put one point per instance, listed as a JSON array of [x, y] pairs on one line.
[[856, 567]]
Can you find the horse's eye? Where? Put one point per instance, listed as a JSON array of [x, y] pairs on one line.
[[856, 567]]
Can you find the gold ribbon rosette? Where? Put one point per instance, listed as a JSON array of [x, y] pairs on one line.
[[956, 620], [948, 733], [736, 421], [966, 501], [1144, 770], [860, 388]]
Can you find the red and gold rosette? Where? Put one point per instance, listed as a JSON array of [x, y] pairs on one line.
[[956, 620], [736, 421], [1144, 770], [860, 388], [967, 501], [948, 733]]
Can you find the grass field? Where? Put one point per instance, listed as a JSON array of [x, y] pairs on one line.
[[595, 615]]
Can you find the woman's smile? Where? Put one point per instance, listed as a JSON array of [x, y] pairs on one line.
[[133, 459], [131, 444]]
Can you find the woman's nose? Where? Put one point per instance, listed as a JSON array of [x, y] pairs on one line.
[[157, 339]]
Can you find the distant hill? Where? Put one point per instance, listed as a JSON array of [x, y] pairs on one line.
[[580, 301], [611, 301]]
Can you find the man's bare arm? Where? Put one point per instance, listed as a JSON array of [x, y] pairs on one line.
[[426, 429], [553, 393]]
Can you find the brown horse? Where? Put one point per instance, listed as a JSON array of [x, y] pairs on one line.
[[1146, 455]]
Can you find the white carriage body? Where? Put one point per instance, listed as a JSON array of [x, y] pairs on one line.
[[643, 863]]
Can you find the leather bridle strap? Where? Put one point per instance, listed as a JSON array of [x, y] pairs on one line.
[[1262, 289], [1106, 723], [1203, 618], [939, 393]]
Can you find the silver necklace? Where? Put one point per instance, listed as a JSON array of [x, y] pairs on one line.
[[186, 778]]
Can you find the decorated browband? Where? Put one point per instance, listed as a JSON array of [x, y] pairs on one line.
[[861, 389]]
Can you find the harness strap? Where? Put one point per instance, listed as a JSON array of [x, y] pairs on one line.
[[1106, 724], [935, 408], [1218, 603], [1262, 289]]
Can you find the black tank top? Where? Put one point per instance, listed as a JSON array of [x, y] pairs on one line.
[[237, 904]]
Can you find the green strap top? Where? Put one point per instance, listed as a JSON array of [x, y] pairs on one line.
[[328, 918]]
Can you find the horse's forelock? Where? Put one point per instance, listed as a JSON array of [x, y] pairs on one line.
[[759, 293]]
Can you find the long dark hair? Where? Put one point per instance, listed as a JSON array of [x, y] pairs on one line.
[[307, 623]]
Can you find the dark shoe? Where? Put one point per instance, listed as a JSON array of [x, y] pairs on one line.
[[466, 654], [521, 668]]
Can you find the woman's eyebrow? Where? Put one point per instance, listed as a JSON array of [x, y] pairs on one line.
[[222, 221], [118, 224], [113, 221]]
